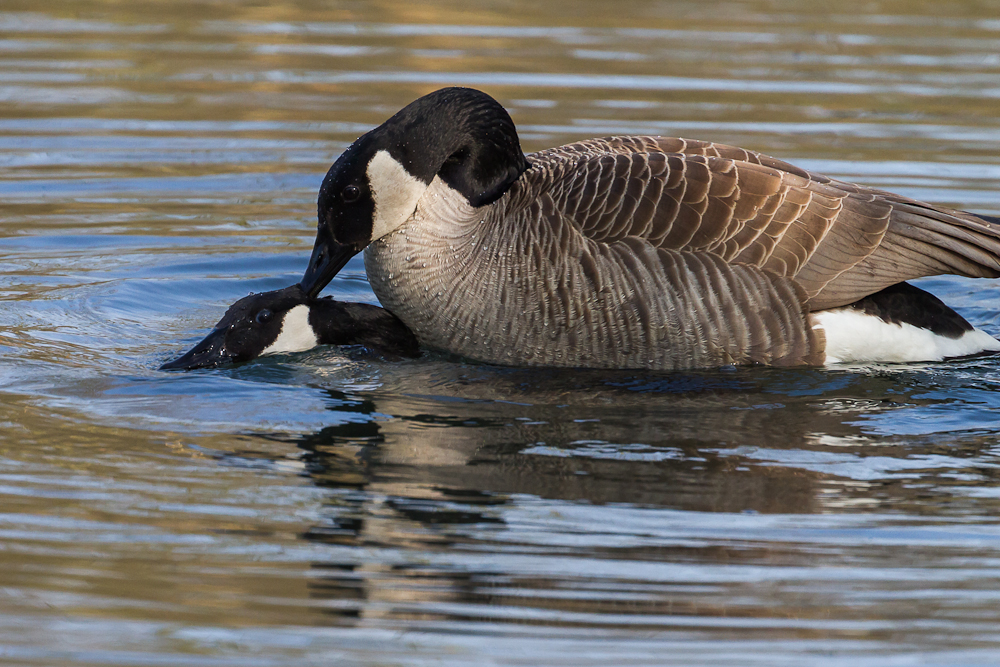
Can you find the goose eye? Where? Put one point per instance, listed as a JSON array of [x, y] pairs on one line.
[[350, 193], [264, 316]]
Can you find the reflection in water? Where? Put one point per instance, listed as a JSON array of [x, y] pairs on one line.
[[699, 442], [436, 509]]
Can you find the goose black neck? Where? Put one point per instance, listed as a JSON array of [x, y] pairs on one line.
[[340, 323]]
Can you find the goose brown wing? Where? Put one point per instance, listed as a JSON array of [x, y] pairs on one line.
[[921, 239], [838, 241]]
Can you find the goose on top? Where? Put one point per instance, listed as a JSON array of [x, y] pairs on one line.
[[636, 252]]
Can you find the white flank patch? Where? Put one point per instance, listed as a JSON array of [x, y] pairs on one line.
[[852, 336], [395, 191], [296, 333]]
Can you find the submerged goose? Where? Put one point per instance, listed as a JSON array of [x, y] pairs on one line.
[[287, 320], [637, 252]]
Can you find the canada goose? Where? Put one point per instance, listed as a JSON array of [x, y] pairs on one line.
[[636, 252], [287, 320]]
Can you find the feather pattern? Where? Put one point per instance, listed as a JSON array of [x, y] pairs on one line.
[[665, 253]]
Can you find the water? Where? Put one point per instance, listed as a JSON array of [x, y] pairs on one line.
[[160, 160]]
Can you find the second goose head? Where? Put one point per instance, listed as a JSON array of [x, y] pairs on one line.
[[286, 320], [462, 136]]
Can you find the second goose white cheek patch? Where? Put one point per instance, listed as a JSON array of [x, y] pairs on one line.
[[296, 333], [395, 192]]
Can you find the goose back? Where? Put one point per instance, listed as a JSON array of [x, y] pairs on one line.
[[659, 253], [840, 241]]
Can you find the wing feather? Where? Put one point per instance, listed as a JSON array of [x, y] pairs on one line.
[[839, 242]]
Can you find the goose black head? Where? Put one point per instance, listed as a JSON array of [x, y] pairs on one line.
[[287, 320], [460, 135]]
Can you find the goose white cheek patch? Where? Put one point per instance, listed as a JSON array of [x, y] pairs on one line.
[[296, 333], [395, 192]]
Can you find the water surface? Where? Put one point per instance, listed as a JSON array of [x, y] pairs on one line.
[[160, 160]]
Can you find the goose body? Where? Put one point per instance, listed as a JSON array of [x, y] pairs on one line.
[[287, 320], [637, 252]]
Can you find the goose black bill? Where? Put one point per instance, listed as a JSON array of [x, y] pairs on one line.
[[328, 258], [209, 353]]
